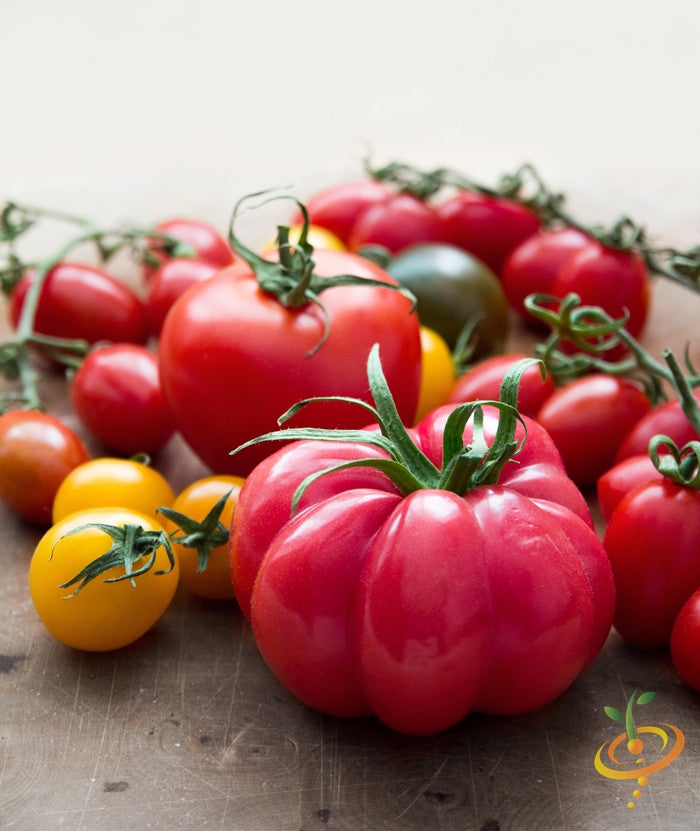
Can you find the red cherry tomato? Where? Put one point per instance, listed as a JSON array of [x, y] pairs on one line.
[[488, 227], [81, 301], [483, 382], [338, 207], [116, 393], [685, 641], [168, 282], [397, 222], [588, 418], [533, 266], [617, 281], [209, 245], [623, 477], [667, 419], [37, 451]]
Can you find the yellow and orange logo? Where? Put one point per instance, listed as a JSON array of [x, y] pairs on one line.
[[639, 751]]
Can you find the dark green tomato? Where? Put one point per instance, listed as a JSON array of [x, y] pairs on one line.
[[453, 290]]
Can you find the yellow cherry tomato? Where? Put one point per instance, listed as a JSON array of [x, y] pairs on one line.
[[208, 575], [112, 609], [316, 235], [112, 482], [437, 372]]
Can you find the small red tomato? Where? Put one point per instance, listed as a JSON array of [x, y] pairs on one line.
[[617, 281], [588, 418], [685, 641], [397, 222], [37, 451], [483, 382], [623, 477], [116, 393], [667, 419], [488, 227], [337, 208], [168, 282], [533, 266], [208, 244], [81, 301]]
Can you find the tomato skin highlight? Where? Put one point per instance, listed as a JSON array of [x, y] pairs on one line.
[[37, 452], [413, 608], [488, 227], [482, 382], [107, 482], [101, 616], [117, 395], [81, 301], [653, 542], [233, 359], [685, 637], [588, 419]]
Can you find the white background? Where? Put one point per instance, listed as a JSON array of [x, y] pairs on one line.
[[143, 109]]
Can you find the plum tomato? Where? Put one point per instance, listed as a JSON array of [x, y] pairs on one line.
[[201, 539], [588, 418], [110, 611], [482, 382], [488, 227], [106, 482], [37, 452], [82, 301], [117, 395], [437, 372], [454, 289]]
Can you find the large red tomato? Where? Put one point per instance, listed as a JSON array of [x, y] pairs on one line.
[[233, 358]]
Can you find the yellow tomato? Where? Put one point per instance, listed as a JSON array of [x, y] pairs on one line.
[[204, 561], [437, 372], [112, 482], [112, 609], [316, 235]]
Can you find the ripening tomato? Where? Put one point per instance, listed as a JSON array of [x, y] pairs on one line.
[[437, 372], [208, 244], [107, 482], [482, 382], [489, 227], [204, 561], [37, 452], [685, 641], [81, 301], [110, 611], [316, 235], [533, 266], [233, 358], [588, 418], [168, 282], [399, 221], [117, 395], [339, 206]]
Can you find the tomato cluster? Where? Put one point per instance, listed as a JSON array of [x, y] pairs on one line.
[[346, 547]]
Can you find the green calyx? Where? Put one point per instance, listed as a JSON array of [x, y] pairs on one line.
[[464, 467], [203, 536], [292, 279], [130, 544]]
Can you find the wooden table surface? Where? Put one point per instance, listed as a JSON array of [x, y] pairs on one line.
[[187, 729]]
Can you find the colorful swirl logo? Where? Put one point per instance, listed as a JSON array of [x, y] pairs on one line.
[[629, 756]]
